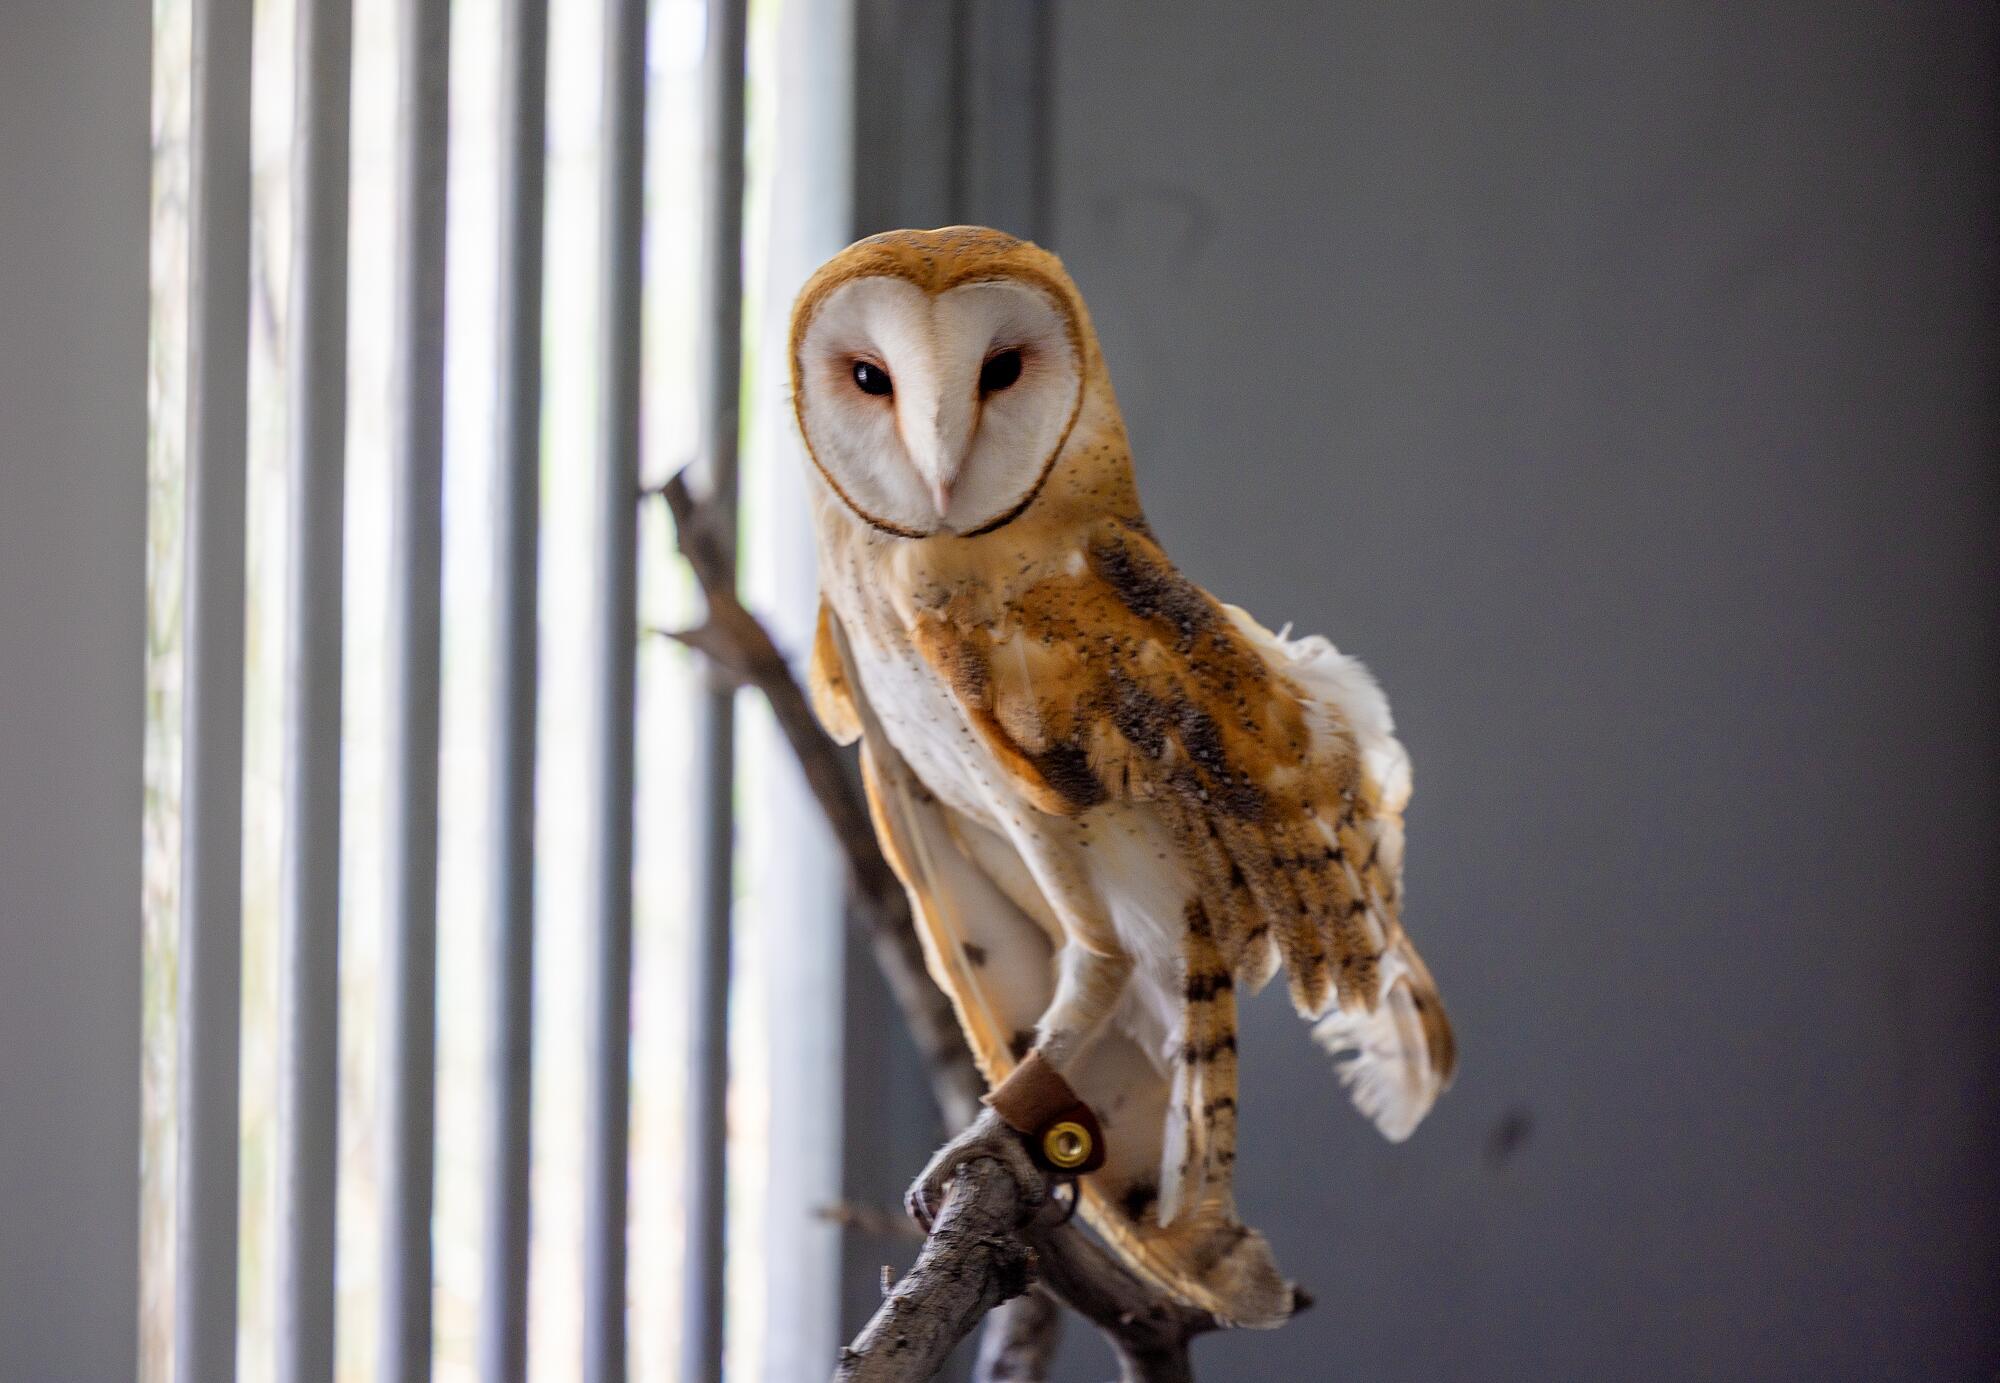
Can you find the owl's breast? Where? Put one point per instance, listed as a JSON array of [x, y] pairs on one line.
[[918, 713]]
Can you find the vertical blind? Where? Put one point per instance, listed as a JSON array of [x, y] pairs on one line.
[[221, 541]]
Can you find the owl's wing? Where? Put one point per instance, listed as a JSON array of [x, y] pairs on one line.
[[1271, 762], [1397, 1055], [827, 684]]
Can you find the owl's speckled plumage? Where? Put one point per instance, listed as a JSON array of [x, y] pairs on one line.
[[1112, 799]]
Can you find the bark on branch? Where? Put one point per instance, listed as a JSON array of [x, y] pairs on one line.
[[988, 1257], [973, 1260]]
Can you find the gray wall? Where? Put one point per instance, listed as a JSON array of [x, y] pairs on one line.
[[1619, 381], [73, 148]]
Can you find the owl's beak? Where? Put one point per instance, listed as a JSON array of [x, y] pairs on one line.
[[943, 451], [939, 413]]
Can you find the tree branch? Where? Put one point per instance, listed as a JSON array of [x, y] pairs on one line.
[[973, 1260], [990, 1256]]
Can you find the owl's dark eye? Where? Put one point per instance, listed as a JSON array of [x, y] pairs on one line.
[[871, 378], [999, 372]]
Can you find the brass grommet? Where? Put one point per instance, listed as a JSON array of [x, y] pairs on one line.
[[1066, 1145]]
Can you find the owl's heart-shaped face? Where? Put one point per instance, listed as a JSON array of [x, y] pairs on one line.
[[934, 413]]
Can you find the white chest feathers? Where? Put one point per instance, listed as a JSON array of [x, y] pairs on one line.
[[925, 723]]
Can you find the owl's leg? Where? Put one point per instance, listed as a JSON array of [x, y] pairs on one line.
[[1088, 988]]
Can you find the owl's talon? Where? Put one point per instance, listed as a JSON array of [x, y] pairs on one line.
[[987, 1136], [1064, 1207]]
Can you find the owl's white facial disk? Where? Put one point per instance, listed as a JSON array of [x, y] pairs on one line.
[[914, 406]]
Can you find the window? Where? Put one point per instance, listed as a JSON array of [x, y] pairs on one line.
[[784, 1117]]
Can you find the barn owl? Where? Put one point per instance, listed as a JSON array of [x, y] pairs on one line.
[[1114, 801]]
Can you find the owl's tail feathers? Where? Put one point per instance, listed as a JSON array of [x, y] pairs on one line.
[[1206, 1258], [1396, 1058]]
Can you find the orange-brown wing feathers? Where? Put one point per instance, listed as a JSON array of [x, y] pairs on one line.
[[1119, 678], [827, 684]]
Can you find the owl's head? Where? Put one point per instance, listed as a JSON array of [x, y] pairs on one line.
[[936, 376]]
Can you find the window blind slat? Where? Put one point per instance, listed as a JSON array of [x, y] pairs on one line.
[[309, 967], [410, 971], [702, 1328], [503, 1327], [615, 635], [211, 923]]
